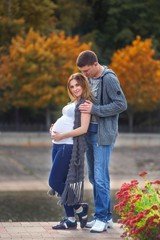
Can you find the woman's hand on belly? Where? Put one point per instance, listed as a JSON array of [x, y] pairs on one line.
[[51, 129], [56, 136]]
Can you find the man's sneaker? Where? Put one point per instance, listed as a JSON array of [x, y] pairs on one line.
[[83, 216], [90, 224], [65, 224], [98, 227], [109, 223]]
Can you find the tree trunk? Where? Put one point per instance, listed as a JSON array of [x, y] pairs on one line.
[[9, 4], [48, 118], [16, 118], [130, 118]]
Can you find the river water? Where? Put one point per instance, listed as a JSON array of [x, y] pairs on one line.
[[38, 206]]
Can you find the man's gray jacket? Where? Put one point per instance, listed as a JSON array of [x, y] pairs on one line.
[[114, 102]]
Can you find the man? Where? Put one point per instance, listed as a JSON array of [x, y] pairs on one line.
[[109, 101]]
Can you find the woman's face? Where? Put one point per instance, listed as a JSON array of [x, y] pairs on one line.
[[75, 88]]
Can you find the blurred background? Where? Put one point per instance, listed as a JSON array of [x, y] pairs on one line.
[[39, 44]]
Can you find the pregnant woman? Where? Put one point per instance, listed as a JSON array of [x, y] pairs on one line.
[[69, 146]]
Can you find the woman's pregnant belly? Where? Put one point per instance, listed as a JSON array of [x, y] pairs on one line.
[[62, 125]]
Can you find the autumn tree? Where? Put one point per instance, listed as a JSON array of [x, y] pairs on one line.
[[35, 71], [37, 14], [17, 17], [139, 74], [9, 28]]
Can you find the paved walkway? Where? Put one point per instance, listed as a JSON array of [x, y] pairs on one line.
[[43, 231]]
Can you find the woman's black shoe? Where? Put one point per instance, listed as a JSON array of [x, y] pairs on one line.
[[83, 216], [65, 224]]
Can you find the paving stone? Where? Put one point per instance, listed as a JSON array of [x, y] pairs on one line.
[[28, 231]]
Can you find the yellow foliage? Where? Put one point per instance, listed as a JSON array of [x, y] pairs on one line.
[[37, 68], [138, 72]]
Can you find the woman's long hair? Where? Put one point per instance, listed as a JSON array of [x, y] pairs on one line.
[[83, 82]]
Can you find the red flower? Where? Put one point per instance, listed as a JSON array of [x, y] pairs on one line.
[[147, 211], [154, 207], [142, 174], [134, 182], [139, 209], [155, 182]]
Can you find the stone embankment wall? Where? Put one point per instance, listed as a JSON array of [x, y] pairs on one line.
[[43, 139]]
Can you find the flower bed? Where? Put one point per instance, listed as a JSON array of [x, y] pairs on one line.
[[139, 209]]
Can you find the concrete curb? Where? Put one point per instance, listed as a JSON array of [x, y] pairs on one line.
[[43, 139]]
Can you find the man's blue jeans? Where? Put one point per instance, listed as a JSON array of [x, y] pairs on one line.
[[98, 158]]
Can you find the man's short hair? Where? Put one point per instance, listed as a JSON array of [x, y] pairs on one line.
[[86, 58]]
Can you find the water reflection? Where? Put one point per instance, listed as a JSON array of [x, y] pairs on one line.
[[37, 206]]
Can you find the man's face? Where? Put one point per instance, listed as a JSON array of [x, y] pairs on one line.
[[89, 70]]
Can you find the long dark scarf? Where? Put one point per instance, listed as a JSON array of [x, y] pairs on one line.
[[74, 185]]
